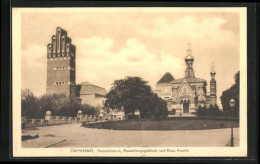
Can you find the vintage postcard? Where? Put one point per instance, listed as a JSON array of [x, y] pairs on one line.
[[129, 82]]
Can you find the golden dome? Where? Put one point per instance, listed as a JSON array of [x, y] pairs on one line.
[[189, 57]]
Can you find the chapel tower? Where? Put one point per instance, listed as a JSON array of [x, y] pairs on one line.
[[189, 72], [213, 86], [61, 55]]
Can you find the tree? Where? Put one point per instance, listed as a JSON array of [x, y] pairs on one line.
[[46, 102], [133, 93], [154, 105], [216, 111], [59, 105], [205, 111], [30, 105], [211, 110], [200, 111], [89, 110], [232, 92]]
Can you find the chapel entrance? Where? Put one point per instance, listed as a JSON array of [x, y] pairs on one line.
[[185, 107]]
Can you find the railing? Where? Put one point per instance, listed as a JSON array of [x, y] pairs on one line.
[[54, 120], [59, 120]]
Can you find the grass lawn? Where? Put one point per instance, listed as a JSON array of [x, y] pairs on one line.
[[165, 124]]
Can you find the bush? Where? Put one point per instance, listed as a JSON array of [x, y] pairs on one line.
[[59, 105], [200, 111]]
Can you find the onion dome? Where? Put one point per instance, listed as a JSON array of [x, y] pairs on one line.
[[189, 52], [189, 57], [213, 72], [213, 69]]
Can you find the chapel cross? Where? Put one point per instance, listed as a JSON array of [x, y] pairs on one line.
[[189, 47]]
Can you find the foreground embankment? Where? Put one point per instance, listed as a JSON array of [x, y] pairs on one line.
[[181, 123]]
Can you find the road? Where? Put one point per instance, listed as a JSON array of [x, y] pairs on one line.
[[77, 136]]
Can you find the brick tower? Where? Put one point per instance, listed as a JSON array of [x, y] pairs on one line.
[[61, 55]]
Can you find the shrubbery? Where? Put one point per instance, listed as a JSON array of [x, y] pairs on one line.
[[59, 105], [212, 111]]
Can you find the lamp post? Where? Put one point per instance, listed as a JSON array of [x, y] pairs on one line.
[[232, 104]]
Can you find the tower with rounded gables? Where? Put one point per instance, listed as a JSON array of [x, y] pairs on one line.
[[213, 86], [61, 55]]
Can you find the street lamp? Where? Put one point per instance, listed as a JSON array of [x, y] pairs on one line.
[[232, 104]]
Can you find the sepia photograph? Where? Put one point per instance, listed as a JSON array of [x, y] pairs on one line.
[[137, 82]]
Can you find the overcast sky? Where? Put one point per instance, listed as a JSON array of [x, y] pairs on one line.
[[112, 45]]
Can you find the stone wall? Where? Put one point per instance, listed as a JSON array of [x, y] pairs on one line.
[[49, 120]]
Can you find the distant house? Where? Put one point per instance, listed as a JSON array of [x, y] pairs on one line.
[[91, 94]]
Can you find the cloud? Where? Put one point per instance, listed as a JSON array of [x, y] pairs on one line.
[[175, 34], [140, 44], [98, 64], [33, 63], [210, 43]]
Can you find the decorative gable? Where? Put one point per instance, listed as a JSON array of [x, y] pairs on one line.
[[185, 90]]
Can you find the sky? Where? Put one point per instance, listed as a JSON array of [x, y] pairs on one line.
[[112, 45]]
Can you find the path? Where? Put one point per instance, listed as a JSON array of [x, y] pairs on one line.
[[77, 136]]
